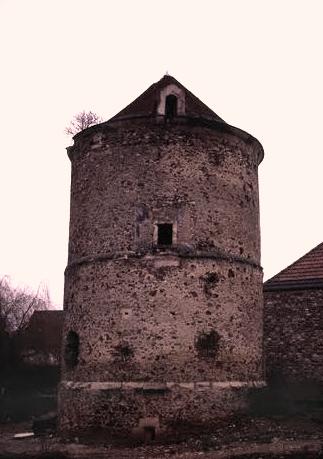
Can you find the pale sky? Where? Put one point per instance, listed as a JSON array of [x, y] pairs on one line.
[[256, 63]]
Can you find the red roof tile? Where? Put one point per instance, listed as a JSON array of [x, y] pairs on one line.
[[306, 272]]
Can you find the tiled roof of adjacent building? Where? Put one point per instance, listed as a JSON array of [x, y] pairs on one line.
[[146, 104], [306, 272]]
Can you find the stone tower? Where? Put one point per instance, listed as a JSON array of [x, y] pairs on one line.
[[163, 287]]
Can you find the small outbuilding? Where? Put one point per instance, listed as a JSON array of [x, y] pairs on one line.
[[39, 344], [293, 320]]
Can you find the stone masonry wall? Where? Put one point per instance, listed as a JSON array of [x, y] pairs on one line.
[[139, 320], [124, 409], [188, 315], [157, 304], [123, 180], [293, 332]]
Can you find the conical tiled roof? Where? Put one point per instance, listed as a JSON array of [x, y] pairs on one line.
[[146, 104], [306, 272], [151, 106]]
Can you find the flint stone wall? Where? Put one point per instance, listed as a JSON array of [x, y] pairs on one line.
[[293, 332], [157, 314], [189, 313], [124, 411], [124, 179]]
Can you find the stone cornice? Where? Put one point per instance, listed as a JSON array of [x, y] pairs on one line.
[[179, 252], [189, 121], [160, 386]]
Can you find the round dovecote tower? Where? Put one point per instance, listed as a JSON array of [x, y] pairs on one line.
[[163, 287]]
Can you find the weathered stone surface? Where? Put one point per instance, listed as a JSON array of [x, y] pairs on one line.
[[163, 328], [203, 179], [293, 324], [121, 412]]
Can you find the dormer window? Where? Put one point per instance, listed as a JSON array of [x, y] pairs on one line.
[[171, 102], [170, 106]]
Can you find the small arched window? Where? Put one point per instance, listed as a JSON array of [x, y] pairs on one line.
[[72, 345], [170, 106]]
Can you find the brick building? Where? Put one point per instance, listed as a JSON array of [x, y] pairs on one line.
[[293, 320], [163, 287]]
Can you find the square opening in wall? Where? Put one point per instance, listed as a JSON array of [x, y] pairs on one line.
[[149, 433], [165, 234]]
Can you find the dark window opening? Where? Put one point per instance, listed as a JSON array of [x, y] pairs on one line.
[[171, 107], [165, 234], [72, 349], [149, 433], [208, 344]]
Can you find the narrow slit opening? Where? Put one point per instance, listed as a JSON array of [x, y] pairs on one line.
[[170, 107]]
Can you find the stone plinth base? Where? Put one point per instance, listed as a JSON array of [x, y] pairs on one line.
[[149, 410]]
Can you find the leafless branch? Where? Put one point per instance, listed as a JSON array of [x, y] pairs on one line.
[[18, 304], [82, 121]]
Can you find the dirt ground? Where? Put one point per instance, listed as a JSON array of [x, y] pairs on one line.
[[248, 437]]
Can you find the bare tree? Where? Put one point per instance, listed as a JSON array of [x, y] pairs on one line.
[[18, 304], [82, 121]]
